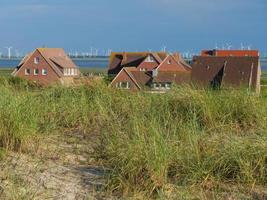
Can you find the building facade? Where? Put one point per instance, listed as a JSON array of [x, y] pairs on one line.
[[148, 71], [47, 66], [227, 68]]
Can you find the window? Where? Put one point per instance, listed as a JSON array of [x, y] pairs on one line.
[[72, 72], [169, 62], [36, 72], [67, 71], [157, 86], [142, 69], [44, 72], [123, 85], [167, 86], [36, 60], [27, 72], [150, 59]]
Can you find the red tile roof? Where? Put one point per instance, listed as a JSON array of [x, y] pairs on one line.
[[223, 53], [236, 70], [118, 60]]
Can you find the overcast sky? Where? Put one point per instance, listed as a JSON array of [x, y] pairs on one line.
[[133, 25]]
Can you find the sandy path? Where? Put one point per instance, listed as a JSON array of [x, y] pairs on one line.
[[61, 168]]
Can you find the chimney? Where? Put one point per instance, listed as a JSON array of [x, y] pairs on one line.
[[177, 56]]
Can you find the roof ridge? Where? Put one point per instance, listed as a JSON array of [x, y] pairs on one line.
[[58, 72]]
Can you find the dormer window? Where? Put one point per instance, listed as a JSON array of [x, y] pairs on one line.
[[150, 59], [36, 60], [142, 69]]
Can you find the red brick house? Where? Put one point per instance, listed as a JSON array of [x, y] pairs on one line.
[[216, 52], [228, 69], [144, 61], [152, 72], [47, 66]]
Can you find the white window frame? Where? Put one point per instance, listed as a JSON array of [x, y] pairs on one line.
[[44, 70], [26, 71], [127, 85], [169, 62], [150, 59], [36, 60], [34, 72], [167, 86]]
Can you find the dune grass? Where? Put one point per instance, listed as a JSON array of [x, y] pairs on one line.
[[149, 143], [184, 138]]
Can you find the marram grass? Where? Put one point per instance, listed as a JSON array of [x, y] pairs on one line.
[[147, 141]]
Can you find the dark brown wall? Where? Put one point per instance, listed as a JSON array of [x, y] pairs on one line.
[[183, 78], [51, 76], [236, 72], [123, 77]]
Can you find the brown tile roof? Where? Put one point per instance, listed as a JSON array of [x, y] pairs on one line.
[[172, 77], [223, 53], [236, 70], [22, 63], [143, 79], [57, 59], [118, 60], [177, 56]]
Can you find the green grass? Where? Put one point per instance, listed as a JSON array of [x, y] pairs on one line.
[[151, 144], [5, 71]]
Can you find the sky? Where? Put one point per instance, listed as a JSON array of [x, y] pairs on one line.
[[133, 25]]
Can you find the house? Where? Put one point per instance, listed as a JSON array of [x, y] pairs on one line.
[[47, 66], [228, 69], [152, 72], [144, 61], [217, 52]]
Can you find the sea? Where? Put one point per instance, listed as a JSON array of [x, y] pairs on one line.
[[84, 63]]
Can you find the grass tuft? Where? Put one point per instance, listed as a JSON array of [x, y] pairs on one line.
[[149, 143]]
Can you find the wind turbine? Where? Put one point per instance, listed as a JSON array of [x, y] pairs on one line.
[[164, 48], [242, 46], [228, 46], [91, 51], [9, 51], [96, 52], [109, 52], [17, 53]]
